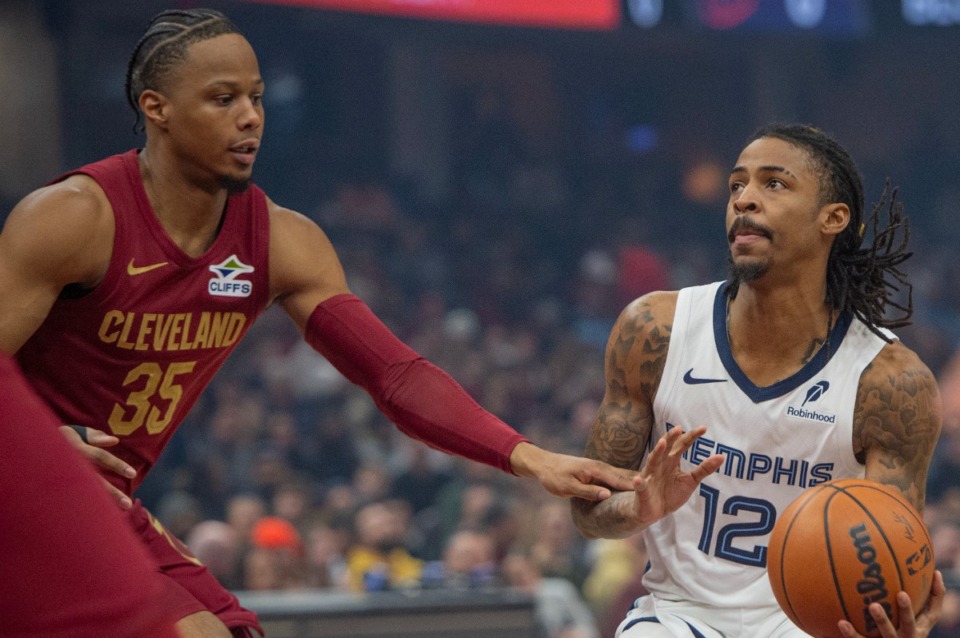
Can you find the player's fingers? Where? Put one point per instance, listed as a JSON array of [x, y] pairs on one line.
[[683, 443], [879, 615], [847, 630], [671, 438], [937, 593], [588, 492], [932, 611], [100, 439], [75, 434], [656, 456], [908, 624], [568, 484], [708, 467], [615, 477], [108, 461], [641, 487], [122, 499]]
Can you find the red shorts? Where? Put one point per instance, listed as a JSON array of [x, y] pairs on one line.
[[189, 586]]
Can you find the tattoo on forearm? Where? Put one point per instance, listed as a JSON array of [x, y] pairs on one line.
[[620, 435]]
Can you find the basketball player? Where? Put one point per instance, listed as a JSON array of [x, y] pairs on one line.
[[69, 564], [791, 368], [125, 284]]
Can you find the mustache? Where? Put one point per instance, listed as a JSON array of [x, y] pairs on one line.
[[745, 223]]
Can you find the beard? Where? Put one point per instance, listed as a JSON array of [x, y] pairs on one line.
[[746, 272], [234, 185]]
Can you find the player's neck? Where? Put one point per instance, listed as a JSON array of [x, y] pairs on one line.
[[190, 213], [774, 333]]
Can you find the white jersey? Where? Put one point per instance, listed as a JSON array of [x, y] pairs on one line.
[[778, 440]]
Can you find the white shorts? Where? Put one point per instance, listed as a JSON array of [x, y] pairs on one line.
[[690, 620]]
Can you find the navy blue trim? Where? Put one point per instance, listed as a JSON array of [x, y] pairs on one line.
[[791, 383], [637, 621]]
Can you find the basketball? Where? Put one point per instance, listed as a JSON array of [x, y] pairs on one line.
[[843, 545]]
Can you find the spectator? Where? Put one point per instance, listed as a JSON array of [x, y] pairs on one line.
[[378, 559], [276, 557], [469, 560], [215, 544], [560, 609], [243, 512], [559, 551]]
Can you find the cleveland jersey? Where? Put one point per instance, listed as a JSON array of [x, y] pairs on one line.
[[778, 441], [132, 355]]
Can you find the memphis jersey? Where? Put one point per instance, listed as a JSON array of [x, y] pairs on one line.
[[132, 355], [778, 440]]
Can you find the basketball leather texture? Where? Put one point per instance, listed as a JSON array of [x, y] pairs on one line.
[[843, 545]]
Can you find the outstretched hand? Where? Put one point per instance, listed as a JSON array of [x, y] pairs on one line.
[[90, 443], [910, 626], [661, 487], [570, 476]]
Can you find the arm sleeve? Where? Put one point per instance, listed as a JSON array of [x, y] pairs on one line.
[[422, 400]]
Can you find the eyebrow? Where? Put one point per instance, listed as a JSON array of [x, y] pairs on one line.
[[764, 169], [233, 84]]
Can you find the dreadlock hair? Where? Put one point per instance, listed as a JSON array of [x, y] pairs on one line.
[[860, 279], [164, 45]]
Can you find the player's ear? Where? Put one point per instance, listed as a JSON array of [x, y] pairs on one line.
[[834, 218], [155, 107]]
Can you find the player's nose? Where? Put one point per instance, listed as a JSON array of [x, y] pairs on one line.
[[746, 200], [251, 116]]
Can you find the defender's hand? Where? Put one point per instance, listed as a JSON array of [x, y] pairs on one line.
[[661, 487], [566, 475], [910, 627], [90, 443]]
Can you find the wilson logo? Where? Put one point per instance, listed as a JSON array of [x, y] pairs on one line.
[[872, 585]]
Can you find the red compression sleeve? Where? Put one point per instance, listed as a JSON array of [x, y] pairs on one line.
[[420, 398]]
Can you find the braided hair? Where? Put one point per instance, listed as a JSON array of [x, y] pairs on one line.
[[860, 279], [164, 45]]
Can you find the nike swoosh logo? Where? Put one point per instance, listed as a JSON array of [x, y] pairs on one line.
[[689, 379], [139, 270]]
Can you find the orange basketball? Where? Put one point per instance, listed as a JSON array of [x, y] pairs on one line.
[[843, 545]]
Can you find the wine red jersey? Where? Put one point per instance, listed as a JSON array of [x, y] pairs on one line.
[[132, 355], [70, 567]]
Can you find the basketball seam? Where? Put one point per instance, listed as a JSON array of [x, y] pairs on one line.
[[826, 533], [896, 559], [858, 501], [783, 555]]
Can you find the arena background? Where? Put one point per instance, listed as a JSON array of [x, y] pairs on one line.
[[498, 185]]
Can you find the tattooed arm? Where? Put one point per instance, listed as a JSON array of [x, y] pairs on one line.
[[896, 425], [897, 421], [636, 352]]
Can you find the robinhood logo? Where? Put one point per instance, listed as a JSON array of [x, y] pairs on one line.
[[818, 390], [814, 393]]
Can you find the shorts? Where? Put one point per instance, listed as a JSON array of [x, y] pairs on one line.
[[684, 619], [189, 587]]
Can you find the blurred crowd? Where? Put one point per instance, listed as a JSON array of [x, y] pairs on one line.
[[287, 477]]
